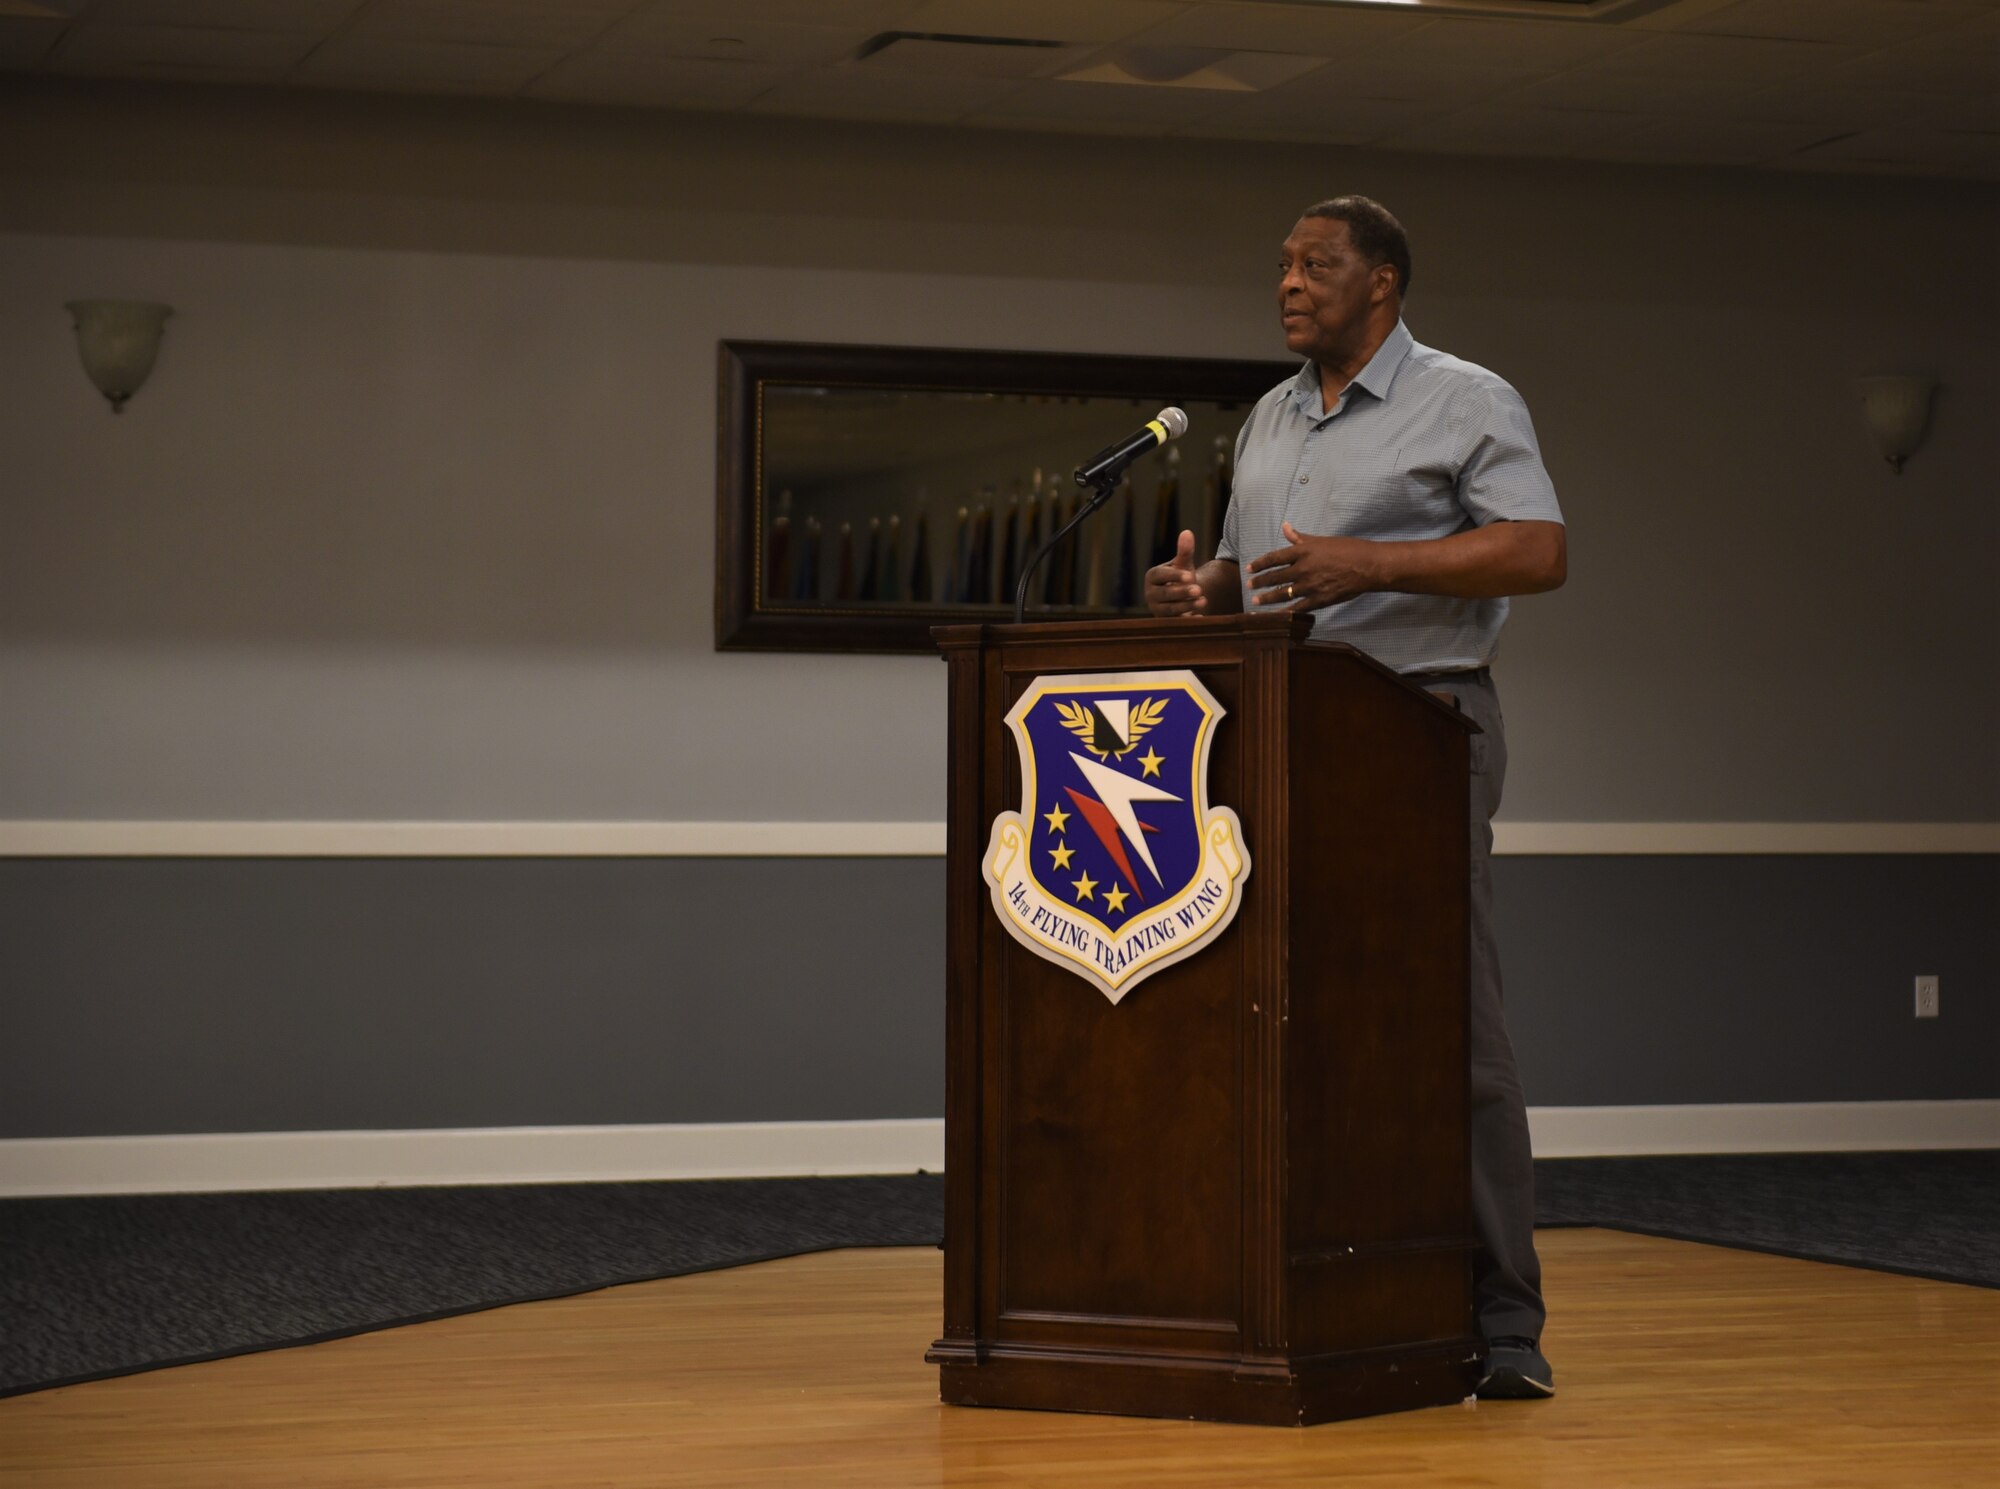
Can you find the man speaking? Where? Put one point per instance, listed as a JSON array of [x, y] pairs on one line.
[[1398, 494]]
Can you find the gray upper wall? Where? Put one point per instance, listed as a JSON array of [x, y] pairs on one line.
[[415, 518]]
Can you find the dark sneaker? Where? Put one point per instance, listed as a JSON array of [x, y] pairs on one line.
[[1515, 1371]]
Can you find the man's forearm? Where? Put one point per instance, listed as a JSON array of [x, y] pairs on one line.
[[1502, 558]]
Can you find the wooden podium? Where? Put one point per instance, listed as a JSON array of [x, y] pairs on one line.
[[1242, 1193]]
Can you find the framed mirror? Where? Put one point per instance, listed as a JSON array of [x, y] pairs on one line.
[[866, 494]]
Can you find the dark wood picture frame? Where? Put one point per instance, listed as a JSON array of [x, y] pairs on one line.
[[746, 617]]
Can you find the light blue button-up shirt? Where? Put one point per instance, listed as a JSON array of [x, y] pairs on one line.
[[1420, 445]]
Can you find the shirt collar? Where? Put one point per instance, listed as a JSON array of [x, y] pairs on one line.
[[1375, 378]]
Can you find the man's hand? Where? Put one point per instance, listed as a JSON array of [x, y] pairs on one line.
[[1313, 573], [1501, 558], [1173, 588]]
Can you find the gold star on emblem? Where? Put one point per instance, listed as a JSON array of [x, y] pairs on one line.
[[1114, 898], [1084, 888], [1062, 856], [1152, 760], [1056, 817]]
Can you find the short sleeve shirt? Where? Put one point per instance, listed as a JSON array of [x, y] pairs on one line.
[[1420, 445]]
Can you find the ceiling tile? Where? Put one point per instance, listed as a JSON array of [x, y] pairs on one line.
[[1055, 20], [1323, 106], [1375, 75], [1032, 124], [110, 45], [1984, 32], [1638, 94], [1736, 58], [1464, 62], [550, 23], [25, 40], [742, 38], [1351, 121], [1694, 141], [1252, 134], [1498, 129], [865, 15], [248, 15], [855, 93], [1975, 112], [1676, 74], [651, 81], [1512, 46], [447, 65], [1850, 108], [1317, 30], [1920, 148], [169, 72], [1326, 133], [1047, 99], [1961, 61], [1833, 166], [1861, 22]]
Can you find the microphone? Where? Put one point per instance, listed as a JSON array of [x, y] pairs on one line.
[[1104, 468], [1101, 473]]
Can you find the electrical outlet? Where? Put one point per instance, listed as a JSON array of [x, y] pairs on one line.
[[1927, 997]]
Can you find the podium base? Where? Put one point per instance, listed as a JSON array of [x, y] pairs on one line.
[[1298, 1393]]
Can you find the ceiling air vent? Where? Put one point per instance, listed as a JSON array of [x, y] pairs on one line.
[[1194, 67], [979, 56]]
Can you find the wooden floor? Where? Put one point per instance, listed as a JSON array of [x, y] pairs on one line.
[[1678, 1365]]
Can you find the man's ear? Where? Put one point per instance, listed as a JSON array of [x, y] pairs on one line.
[[1382, 283]]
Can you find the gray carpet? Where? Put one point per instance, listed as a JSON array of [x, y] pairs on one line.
[[99, 1286], [1931, 1215], [92, 1287]]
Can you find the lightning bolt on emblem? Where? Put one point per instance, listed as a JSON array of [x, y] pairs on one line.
[[1112, 816]]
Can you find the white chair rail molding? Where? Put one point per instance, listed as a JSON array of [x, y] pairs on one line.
[[89, 838]]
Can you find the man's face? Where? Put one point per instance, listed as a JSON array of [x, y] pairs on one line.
[[1326, 290]]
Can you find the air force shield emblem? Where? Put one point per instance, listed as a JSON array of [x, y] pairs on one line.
[[1115, 866]]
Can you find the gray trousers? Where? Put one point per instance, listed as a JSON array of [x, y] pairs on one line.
[[1507, 1275]]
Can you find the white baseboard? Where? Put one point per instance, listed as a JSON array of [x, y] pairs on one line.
[[1644, 839], [551, 1155], [465, 1155], [1763, 1127], [361, 839]]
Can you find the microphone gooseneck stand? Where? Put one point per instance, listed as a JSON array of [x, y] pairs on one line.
[[1103, 487]]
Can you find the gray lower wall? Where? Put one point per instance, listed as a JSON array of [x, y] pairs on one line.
[[272, 995], [153, 996], [1694, 979]]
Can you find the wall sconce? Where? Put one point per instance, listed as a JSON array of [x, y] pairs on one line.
[[1897, 411], [119, 340]]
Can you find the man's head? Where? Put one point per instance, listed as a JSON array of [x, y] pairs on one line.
[[1343, 273], [1374, 232]]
